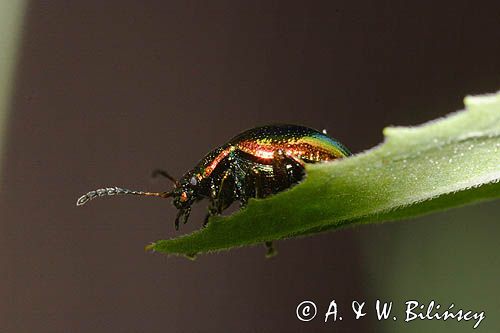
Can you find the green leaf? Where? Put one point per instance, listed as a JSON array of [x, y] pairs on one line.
[[417, 170]]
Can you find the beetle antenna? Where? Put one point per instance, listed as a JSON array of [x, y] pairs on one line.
[[102, 192], [159, 172]]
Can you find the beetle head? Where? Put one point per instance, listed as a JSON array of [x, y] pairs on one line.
[[184, 196], [185, 192]]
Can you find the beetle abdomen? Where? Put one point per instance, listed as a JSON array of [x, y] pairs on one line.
[[300, 142]]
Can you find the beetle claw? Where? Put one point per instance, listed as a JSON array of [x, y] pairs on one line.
[[271, 251]]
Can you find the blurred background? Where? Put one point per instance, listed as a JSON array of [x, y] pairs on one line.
[[97, 94]]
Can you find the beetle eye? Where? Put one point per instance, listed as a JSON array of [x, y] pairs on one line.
[[193, 181], [184, 197]]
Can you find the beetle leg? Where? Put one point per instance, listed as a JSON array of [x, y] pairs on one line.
[[213, 195], [283, 166], [218, 198], [279, 165], [243, 200], [280, 172], [185, 215], [257, 183], [283, 169], [212, 210], [271, 251], [182, 214], [238, 176], [240, 193], [217, 204]]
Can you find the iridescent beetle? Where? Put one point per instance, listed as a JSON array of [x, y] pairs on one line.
[[254, 164]]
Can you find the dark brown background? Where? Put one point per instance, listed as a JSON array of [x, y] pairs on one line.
[[107, 92]]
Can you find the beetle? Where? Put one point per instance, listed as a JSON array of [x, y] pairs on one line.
[[254, 164]]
